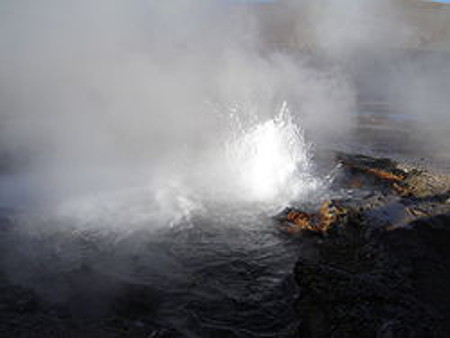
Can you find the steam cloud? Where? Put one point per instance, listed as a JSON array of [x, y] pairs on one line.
[[94, 93]]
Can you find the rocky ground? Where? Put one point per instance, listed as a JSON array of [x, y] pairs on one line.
[[376, 266]]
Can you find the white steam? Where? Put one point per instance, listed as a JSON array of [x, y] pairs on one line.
[[105, 96], [180, 100]]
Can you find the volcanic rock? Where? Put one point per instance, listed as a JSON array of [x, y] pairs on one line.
[[382, 270]]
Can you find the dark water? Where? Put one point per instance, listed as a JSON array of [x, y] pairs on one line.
[[235, 281], [222, 273]]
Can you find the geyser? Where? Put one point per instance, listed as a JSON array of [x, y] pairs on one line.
[[261, 167], [272, 161]]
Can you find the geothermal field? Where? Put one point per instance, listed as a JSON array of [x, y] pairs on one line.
[[224, 168]]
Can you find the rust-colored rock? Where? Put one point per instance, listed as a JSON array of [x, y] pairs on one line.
[[376, 171], [399, 178], [297, 221], [385, 175], [400, 196]]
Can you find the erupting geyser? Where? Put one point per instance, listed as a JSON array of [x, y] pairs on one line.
[[271, 160]]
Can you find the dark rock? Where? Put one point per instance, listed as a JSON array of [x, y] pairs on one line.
[[383, 270]]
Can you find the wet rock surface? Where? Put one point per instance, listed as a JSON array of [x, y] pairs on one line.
[[382, 268]]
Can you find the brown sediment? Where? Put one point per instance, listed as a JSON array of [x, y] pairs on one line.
[[298, 221], [320, 222], [385, 175]]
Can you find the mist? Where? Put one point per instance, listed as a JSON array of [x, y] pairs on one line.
[[142, 86], [391, 52]]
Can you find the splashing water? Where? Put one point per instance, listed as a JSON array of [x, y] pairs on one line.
[[257, 165], [271, 161]]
